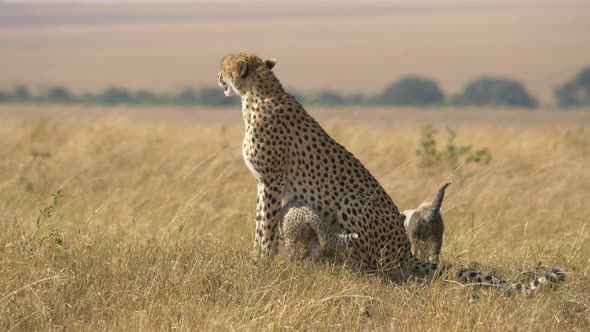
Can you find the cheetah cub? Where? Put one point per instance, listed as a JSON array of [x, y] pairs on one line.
[[425, 223], [301, 224]]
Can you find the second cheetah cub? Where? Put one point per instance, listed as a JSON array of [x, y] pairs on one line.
[[426, 223], [301, 224]]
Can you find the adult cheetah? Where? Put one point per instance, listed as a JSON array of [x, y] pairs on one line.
[[426, 223], [295, 160]]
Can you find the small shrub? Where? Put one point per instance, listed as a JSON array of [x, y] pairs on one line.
[[453, 154], [45, 214], [427, 149]]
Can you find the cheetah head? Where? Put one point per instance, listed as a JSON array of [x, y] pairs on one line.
[[239, 71]]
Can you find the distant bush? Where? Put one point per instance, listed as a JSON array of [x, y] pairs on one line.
[[327, 98], [4, 96], [413, 91], [214, 96], [21, 93], [408, 91], [58, 94], [186, 97], [575, 92], [114, 96], [488, 91], [89, 98], [144, 97], [356, 99], [298, 96]]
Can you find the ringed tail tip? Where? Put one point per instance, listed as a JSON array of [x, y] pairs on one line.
[[556, 275]]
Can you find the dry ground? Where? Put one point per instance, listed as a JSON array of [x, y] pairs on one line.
[[344, 47], [155, 229]]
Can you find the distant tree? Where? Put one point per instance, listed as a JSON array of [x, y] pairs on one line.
[[21, 93], [356, 99], [214, 96], [90, 98], [4, 96], [145, 97], [567, 95], [489, 91], [413, 91], [583, 78], [58, 94], [575, 92], [298, 96], [115, 95], [327, 98], [187, 96]]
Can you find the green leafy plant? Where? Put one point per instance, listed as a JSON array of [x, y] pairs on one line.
[[45, 214], [453, 154], [427, 149]]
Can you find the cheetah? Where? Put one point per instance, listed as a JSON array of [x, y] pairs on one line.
[[426, 223], [301, 224], [294, 160]]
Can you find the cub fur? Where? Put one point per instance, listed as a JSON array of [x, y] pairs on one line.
[[426, 224]]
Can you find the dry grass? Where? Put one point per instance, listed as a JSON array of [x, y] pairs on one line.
[[155, 231], [168, 47]]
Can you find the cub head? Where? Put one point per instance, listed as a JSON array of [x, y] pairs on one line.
[[407, 216], [239, 72]]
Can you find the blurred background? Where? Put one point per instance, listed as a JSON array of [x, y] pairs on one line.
[[525, 53]]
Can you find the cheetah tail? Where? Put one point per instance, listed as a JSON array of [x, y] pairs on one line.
[[552, 277], [435, 208]]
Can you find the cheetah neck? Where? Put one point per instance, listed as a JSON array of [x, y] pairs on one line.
[[261, 88], [261, 92]]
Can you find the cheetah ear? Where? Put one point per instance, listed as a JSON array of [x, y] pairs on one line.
[[270, 63], [242, 68]]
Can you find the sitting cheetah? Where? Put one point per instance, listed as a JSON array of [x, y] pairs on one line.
[[295, 160], [426, 224], [301, 224]]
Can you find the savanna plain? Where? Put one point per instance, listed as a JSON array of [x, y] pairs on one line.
[[127, 222], [143, 219]]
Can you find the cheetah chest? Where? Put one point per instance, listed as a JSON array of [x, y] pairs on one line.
[[248, 155]]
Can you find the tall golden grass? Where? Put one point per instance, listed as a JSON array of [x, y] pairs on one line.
[[155, 230]]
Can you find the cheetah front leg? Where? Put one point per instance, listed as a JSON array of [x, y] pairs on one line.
[[267, 217]]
